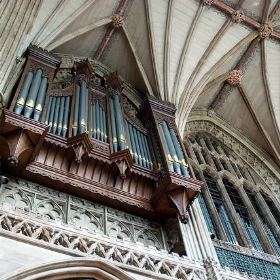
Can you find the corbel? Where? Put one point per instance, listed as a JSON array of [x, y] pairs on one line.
[[124, 162]]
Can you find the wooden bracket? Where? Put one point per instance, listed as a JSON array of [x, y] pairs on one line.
[[18, 142], [174, 194], [123, 161], [80, 144], [180, 200]]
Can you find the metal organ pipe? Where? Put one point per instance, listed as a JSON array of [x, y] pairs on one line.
[[40, 99], [104, 126], [100, 123], [33, 92], [51, 117], [83, 108], [113, 123], [179, 152], [171, 148], [56, 112], [148, 151], [141, 147], [48, 110], [23, 92], [65, 116], [171, 163], [132, 143], [138, 151], [119, 122], [93, 120], [97, 116], [60, 116], [76, 111], [102, 132]]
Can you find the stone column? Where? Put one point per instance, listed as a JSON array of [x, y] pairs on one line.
[[254, 218], [197, 241]]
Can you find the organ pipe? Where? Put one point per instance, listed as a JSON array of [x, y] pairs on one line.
[[48, 110], [104, 126], [97, 116], [40, 99], [102, 123], [138, 151], [93, 120], [174, 156], [179, 152], [60, 116], [141, 148], [171, 165], [29, 105], [132, 143], [83, 108], [55, 118], [65, 116], [51, 118], [113, 124], [76, 111], [119, 122]]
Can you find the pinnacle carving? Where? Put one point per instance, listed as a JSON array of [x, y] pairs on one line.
[[117, 21], [237, 16], [265, 30], [235, 77]]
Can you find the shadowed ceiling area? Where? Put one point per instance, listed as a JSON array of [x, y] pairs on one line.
[[221, 56]]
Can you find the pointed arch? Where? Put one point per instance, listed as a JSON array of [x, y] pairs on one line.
[[77, 267]]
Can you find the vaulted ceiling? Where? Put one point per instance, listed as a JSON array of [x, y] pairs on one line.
[[223, 56]]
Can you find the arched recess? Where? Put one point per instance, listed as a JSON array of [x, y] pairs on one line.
[[75, 268]]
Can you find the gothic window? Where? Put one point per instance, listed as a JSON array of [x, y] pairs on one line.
[[243, 215], [207, 216], [224, 164], [220, 207], [215, 145], [208, 145], [267, 228], [216, 164], [237, 172], [272, 207], [198, 157]]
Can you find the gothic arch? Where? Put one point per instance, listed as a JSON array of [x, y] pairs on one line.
[[76, 267]]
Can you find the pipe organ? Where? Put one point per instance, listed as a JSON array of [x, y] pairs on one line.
[[80, 131]]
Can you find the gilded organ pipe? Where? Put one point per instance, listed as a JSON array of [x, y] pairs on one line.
[[23, 92], [31, 98]]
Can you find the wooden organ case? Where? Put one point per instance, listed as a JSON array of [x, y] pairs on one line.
[[77, 132]]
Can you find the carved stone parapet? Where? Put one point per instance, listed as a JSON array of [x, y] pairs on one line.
[[175, 193]]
